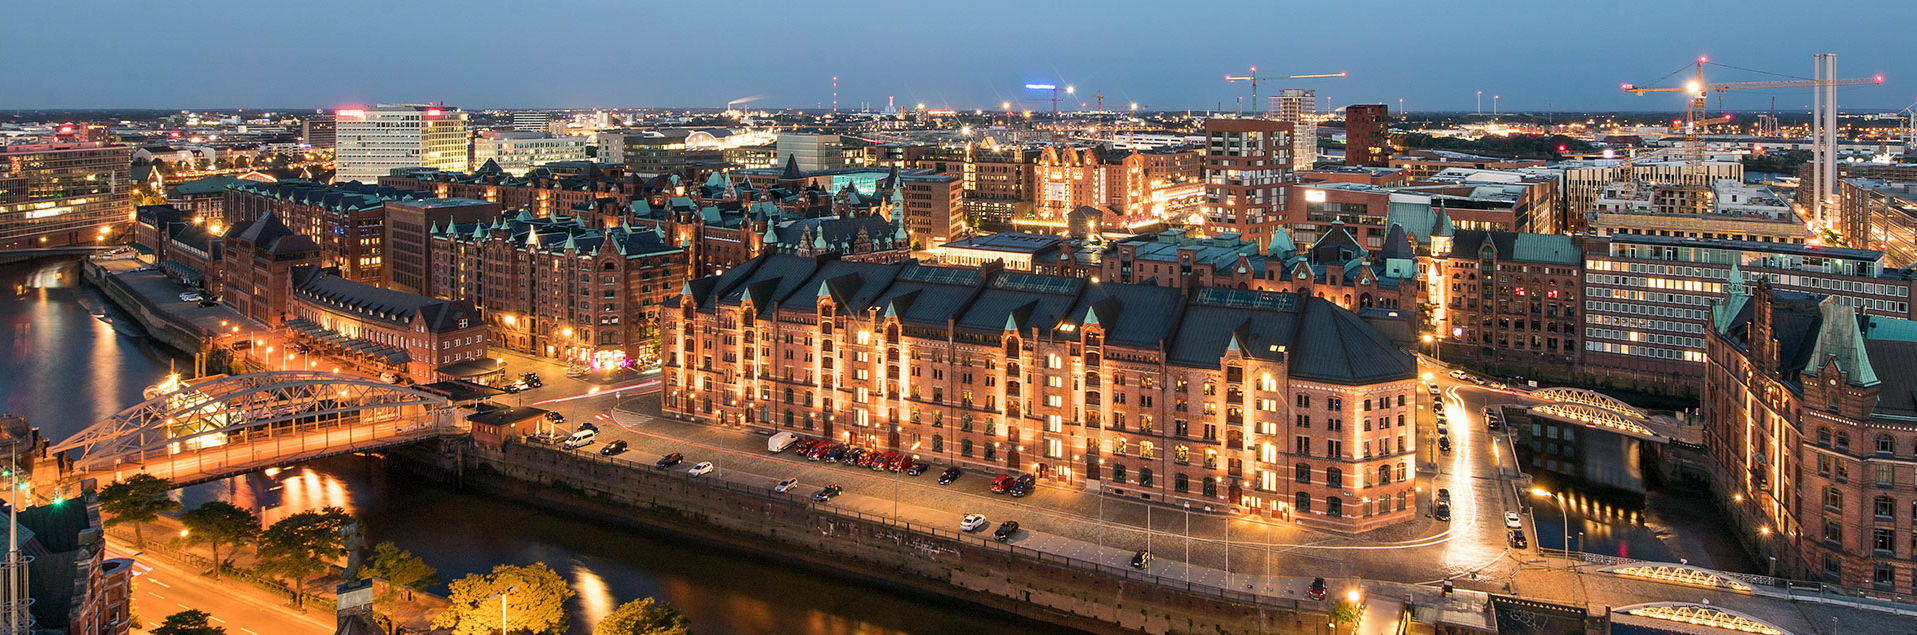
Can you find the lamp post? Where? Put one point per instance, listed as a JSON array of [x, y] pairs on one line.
[[502, 606], [1188, 534]]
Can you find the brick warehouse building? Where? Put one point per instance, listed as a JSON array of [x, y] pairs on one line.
[[1812, 428], [1280, 403]]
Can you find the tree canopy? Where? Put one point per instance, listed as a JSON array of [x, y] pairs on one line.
[[643, 617], [137, 499], [400, 569], [188, 622], [298, 546], [534, 600], [220, 523]]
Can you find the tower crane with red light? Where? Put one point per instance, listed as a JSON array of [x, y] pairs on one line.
[[1697, 90]]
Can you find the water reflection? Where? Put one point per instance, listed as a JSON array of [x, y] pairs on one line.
[[68, 359]]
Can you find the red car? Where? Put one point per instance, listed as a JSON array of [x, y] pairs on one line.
[[885, 460], [1002, 483], [898, 463], [805, 445]]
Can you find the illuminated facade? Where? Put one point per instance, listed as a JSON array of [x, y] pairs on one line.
[[63, 193], [517, 153], [1367, 135], [1809, 420], [1880, 215], [372, 142], [998, 181], [1134, 189], [1647, 298], [559, 288], [347, 220], [1215, 397]]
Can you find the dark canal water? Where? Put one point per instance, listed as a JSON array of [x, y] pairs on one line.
[[68, 359]]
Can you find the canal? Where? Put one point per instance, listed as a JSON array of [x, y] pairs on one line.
[[68, 358]]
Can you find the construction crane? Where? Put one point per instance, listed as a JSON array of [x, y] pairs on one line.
[[1698, 90], [1254, 77]]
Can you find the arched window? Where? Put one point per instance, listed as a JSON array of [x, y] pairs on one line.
[[1400, 501], [965, 447], [1885, 445], [1146, 450], [1302, 501], [788, 418], [1334, 507], [1118, 446], [1401, 471], [1118, 473], [1843, 439], [1384, 474], [1181, 483], [1334, 477], [1181, 454], [1211, 486], [1145, 476], [1303, 473], [938, 443], [1823, 435]]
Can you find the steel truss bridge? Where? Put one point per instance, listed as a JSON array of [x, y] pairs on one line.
[[220, 427]]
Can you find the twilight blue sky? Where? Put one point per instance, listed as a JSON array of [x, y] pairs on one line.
[[957, 53]]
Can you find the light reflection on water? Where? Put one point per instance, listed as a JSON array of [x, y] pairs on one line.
[[65, 363]]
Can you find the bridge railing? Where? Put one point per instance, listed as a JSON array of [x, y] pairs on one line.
[[245, 450]]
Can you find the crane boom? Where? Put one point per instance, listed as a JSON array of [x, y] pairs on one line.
[[1254, 77], [1697, 89]]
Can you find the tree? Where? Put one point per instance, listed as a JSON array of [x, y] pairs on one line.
[[138, 499], [1344, 613], [220, 523], [188, 622], [534, 600], [643, 617], [298, 546], [401, 570]]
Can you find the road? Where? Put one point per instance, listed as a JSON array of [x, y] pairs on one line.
[[242, 609], [279, 449], [1221, 550]]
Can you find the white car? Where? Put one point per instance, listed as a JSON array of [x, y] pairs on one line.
[[973, 522], [1511, 520], [703, 468], [1460, 375], [191, 297], [786, 485]]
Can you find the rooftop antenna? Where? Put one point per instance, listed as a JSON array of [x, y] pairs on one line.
[[835, 93]]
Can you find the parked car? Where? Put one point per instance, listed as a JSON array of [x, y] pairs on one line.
[[1317, 589], [827, 493], [670, 459], [1518, 541], [191, 296], [1444, 495], [209, 302], [1444, 443], [581, 439], [897, 462], [915, 467], [1442, 430], [615, 447], [849, 457], [886, 460], [702, 468], [950, 474], [786, 485], [1005, 530], [1460, 375], [973, 522], [576, 372], [1434, 390], [833, 454], [1001, 483], [531, 379], [1511, 520], [1022, 485], [587, 425], [804, 446], [1441, 511], [1141, 559]]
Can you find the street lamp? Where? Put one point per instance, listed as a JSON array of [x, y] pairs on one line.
[[502, 606], [1564, 518]]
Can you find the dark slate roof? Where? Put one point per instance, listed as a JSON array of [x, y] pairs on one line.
[[1195, 328], [274, 237], [384, 304], [503, 416], [1519, 247], [1797, 321]]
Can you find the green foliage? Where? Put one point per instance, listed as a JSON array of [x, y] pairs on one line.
[[1785, 162], [188, 622], [298, 546], [220, 523], [1516, 146], [400, 569], [1344, 613], [534, 598], [138, 499], [643, 617]]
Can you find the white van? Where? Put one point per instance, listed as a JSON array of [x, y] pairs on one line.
[[779, 442], [581, 439]]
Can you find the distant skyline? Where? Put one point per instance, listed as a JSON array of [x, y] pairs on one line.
[[1162, 55]]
